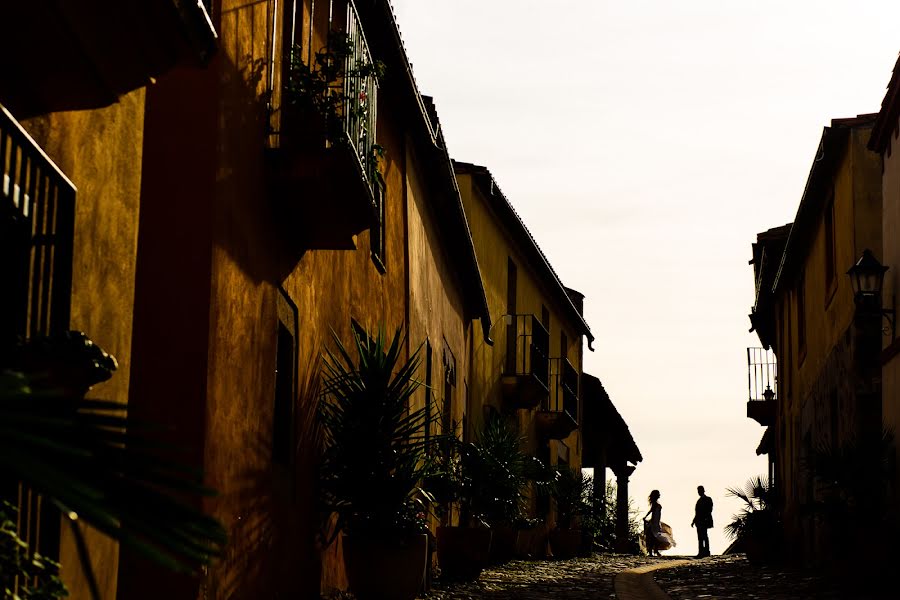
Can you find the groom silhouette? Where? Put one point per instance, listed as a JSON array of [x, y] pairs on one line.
[[703, 521]]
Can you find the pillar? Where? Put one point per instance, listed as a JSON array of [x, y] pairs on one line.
[[623, 472]]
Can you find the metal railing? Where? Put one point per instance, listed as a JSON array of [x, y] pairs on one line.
[[527, 347], [762, 374], [360, 89], [563, 388], [37, 218]]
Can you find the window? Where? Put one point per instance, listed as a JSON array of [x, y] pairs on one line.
[[801, 319], [449, 362], [563, 344], [830, 257], [512, 326], [545, 317], [428, 391], [376, 233], [285, 381]]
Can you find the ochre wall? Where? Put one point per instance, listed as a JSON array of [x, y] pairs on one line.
[[814, 378], [98, 151], [890, 187], [493, 247], [436, 310]]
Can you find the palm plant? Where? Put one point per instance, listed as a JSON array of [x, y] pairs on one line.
[[375, 449], [489, 477], [97, 465], [755, 528], [572, 491]]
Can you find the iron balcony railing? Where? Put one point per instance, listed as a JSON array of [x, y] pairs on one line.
[[563, 388], [762, 373], [360, 89], [37, 215], [527, 348]]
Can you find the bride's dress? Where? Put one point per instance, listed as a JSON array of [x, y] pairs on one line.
[[661, 532]]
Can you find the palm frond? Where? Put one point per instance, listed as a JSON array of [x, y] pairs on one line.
[[98, 465]]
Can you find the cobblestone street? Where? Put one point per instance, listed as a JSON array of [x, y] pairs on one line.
[[718, 578], [561, 579]]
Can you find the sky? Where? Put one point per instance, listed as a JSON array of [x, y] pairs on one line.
[[645, 143]]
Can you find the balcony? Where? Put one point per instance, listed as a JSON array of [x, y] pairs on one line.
[[80, 55], [558, 416], [37, 216], [762, 370], [324, 165], [525, 381]]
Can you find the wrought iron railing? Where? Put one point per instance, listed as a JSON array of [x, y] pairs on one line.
[[563, 388], [762, 373], [360, 92], [37, 215], [527, 347]]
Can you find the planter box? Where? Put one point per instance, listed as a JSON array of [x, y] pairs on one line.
[[532, 543], [565, 543], [463, 552], [381, 570]]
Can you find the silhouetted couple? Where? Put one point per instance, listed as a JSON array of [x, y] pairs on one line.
[[658, 535]]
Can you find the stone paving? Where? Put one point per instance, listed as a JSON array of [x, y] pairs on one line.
[[575, 579], [731, 577], [718, 578]]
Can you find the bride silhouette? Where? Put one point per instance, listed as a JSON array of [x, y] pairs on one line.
[[657, 535]]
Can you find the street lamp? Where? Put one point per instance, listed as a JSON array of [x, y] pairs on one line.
[[867, 278], [769, 394]]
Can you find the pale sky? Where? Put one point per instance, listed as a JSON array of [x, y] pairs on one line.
[[645, 143]]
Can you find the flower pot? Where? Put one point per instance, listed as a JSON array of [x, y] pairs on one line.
[[532, 543], [565, 543], [503, 544], [587, 544], [386, 570], [463, 552]]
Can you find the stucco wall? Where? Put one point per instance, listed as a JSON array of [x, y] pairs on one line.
[[493, 247], [821, 386], [98, 151], [890, 227]]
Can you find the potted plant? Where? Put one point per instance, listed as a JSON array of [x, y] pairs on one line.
[[462, 550], [756, 529], [374, 459], [571, 492], [487, 481]]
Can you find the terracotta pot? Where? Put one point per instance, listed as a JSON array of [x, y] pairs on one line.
[[565, 543], [532, 543], [382, 570], [503, 544], [463, 552]]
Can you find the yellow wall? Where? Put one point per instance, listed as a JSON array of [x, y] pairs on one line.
[[98, 151], [493, 247], [825, 366], [890, 228]]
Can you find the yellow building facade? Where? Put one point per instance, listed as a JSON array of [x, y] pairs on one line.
[[884, 142], [71, 143], [532, 372], [828, 396]]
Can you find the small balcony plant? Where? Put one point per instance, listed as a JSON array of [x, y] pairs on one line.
[[374, 459]]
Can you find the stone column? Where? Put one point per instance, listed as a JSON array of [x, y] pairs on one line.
[[623, 472]]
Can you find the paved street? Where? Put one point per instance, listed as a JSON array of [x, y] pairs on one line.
[[716, 578], [529, 580]]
